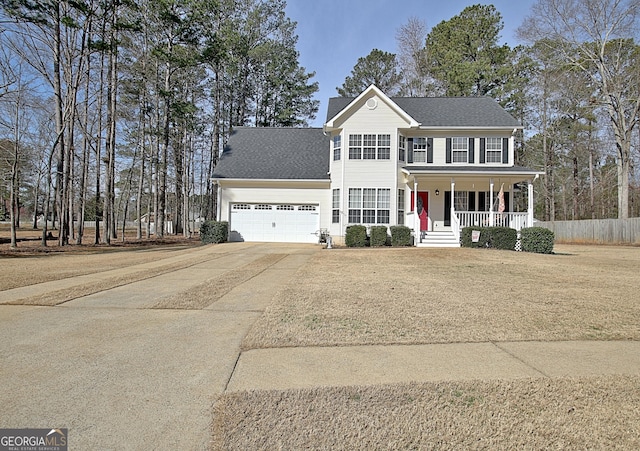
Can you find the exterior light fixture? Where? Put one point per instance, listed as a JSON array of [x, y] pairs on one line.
[[437, 192]]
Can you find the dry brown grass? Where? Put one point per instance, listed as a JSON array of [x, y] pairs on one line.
[[210, 291], [30, 263], [387, 296], [435, 296], [529, 414]]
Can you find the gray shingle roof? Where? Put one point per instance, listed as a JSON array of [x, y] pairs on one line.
[[443, 111], [275, 153]]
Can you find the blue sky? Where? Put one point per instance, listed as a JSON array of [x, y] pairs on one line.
[[333, 34]]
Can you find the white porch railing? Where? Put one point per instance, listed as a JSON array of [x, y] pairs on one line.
[[482, 219]]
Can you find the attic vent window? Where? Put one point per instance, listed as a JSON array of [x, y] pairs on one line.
[[372, 104]]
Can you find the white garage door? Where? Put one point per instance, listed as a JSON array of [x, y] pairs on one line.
[[275, 223]]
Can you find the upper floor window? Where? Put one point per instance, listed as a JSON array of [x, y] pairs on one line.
[[494, 150], [419, 150], [337, 146], [369, 147], [402, 145], [384, 147], [355, 147], [460, 150]]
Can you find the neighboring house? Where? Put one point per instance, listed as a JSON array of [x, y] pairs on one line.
[[433, 164]]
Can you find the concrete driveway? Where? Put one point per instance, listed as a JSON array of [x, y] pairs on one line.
[[121, 375]]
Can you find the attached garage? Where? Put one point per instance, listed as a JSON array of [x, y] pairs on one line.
[[273, 184], [274, 222]]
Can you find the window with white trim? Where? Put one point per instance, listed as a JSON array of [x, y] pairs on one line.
[[369, 205], [400, 207], [335, 206], [461, 200], [355, 205], [419, 150], [384, 147], [494, 150], [337, 146], [355, 147], [402, 145], [369, 147], [460, 150]]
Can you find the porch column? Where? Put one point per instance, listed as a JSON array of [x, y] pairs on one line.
[[416, 219], [453, 203], [530, 204], [491, 219]]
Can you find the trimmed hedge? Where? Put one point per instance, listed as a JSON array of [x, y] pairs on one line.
[[400, 235], [378, 236], [356, 236], [491, 237], [214, 232], [537, 239]]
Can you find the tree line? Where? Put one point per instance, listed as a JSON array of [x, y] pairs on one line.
[[114, 109], [574, 84]]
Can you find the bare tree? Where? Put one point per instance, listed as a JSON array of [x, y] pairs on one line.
[[597, 38], [412, 58]]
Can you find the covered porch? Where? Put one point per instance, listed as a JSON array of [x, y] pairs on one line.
[[442, 204]]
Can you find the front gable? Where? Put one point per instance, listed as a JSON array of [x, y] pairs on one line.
[[370, 106]]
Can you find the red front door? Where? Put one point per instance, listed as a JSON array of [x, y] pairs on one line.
[[423, 208]]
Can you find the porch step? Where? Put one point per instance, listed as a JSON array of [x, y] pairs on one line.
[[444, 238]]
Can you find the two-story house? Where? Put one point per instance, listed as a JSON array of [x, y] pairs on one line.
[[433, 164]]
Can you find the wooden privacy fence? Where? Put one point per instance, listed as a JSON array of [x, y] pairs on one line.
[[613, 231]]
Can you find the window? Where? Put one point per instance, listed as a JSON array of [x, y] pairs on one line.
[[419, 150], [307, 208], [384, 204], [262, 207], [369, 205], [355, 147], [494, 150], [384, 147], [369, 147], [461, 200], [337, 145], [355, 205], [400, 207], [459, 148], [335, 206], [241, 207], [402, 145]]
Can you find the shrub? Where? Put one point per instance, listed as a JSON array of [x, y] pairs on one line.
[[400, 235], [378, 236], [466, 237], [492, 237], [214, 231], [537, 239], [356, 236]]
